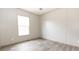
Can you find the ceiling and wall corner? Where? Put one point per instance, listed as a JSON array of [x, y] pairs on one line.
[[38, 11]]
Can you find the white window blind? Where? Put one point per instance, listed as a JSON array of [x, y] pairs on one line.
[[23, 25]]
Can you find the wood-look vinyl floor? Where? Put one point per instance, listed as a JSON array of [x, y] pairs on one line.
[[40, 45]]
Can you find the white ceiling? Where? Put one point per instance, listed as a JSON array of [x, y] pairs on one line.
[[38, 11]]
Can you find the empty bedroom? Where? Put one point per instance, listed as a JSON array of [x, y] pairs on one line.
[[39, 29]]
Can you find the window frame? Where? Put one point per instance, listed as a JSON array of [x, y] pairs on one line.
[[24, 26]]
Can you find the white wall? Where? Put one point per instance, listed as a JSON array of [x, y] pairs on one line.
[[9, 27], [61, 25]]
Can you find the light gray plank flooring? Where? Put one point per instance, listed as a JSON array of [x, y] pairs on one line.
[[40, 45]]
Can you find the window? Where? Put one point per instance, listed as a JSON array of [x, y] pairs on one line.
[[23, 25]]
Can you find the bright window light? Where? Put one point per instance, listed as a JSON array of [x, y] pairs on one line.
[[23, 25]]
